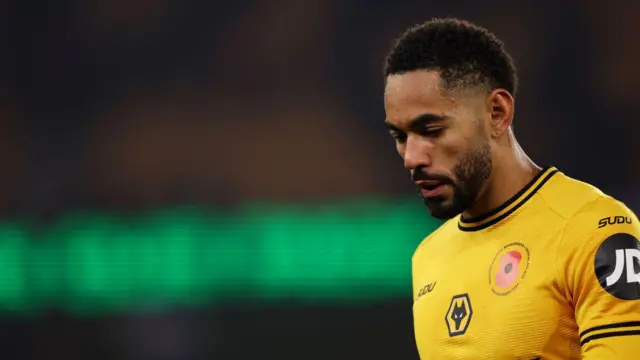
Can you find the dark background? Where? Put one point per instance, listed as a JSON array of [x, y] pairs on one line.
[[133, 105]]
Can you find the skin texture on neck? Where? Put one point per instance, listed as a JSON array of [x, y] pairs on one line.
[[512, 171]]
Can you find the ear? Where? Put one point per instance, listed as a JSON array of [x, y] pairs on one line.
[[500, 105]]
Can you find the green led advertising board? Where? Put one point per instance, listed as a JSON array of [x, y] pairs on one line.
[[188, 256]]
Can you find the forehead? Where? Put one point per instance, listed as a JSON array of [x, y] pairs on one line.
[[415, 93]]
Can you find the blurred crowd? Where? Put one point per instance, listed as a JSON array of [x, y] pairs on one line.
[[138, 103]]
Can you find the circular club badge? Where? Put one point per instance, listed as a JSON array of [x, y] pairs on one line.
[[508, 267]]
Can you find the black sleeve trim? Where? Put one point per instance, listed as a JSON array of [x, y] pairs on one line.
[[609, 334], [611, 326]]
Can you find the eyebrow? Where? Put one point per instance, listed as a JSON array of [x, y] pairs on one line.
[[418, 122]]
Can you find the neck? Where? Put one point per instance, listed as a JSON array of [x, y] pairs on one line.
[[510, 173]]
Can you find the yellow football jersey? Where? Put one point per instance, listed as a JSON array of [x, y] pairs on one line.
[[554, 273]]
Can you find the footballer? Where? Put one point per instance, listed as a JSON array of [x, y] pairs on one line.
[[530, 263]]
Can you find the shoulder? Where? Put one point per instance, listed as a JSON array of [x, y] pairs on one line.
[[599, 243], [444, 231], [582, 205], [591, 216], [598, 231], [595, 240], [567, 196], [601, 217]]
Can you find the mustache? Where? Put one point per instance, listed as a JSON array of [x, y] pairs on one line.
[[423, 175]]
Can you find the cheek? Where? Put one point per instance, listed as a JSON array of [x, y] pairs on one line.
[[452, 148]]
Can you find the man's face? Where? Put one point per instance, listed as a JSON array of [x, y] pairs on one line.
[[441, 138]]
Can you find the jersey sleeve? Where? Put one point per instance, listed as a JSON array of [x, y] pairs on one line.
[[599, 269]]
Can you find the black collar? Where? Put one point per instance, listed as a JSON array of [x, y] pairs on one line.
[[511, 205]]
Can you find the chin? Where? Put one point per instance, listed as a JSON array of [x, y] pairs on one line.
[[443, 209]]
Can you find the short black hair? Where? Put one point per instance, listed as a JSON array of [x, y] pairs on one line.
[[464, 54]]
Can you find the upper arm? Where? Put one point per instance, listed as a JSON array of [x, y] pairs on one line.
[[600, 271]]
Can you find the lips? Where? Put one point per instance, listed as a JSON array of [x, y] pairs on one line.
[[430, 188], [428, 183]]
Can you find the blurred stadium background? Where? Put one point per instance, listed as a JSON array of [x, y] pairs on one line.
[[203, 179]]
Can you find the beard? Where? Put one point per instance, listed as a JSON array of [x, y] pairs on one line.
[[470, 174]]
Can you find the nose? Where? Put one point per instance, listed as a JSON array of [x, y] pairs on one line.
[[416, 154]]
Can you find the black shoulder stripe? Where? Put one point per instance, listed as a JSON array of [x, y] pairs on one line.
[[609, 334], [611, 326]]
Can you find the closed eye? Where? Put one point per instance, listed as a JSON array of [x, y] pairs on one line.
[[398, 136], [432, 131]]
